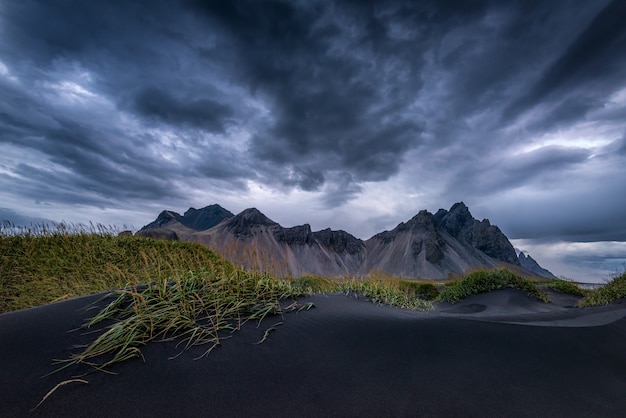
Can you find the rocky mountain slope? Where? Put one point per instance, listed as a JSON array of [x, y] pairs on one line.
[[427, 246], [530, 264], [168, 225]]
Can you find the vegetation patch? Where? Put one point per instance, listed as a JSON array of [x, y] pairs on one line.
[[198, 308], [609, 293], [314, 284], [565, 286], [44, 265], [386, 290], [419, 289], [488, 280]]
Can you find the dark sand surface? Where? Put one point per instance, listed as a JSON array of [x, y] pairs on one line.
[[493, 355]]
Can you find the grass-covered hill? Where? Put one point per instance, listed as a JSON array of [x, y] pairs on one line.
[[36, 269]]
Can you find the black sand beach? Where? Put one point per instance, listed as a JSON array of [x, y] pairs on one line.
[[492, 355]]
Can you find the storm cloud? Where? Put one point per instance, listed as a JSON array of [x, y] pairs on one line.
[[346, 114]]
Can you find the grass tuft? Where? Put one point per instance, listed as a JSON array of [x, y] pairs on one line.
[[488, 280], [420, 289], [387, 291], [565, 286], [314, 284], [609, 293], [195, 309]]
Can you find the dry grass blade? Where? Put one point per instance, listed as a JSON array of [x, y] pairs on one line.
[[65, 382], [268, 332], [306, 306]]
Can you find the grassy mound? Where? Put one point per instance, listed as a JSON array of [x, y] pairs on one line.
[[380, 288], [39, 269], [564, 286], [406, 294], [419, 289], [488, 280], [314, 284], [610, 292]]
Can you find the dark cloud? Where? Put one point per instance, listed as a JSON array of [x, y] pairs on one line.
[[202, 113], [330, 115], [595, 58], [551, 162], [587, 207]]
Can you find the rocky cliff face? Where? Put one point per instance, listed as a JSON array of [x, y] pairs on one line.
[[243, 224], [170, 225], [339, 241], [164, 219], [529, 263], [205, 218], [298, 235], [427, 246], [460, 224]]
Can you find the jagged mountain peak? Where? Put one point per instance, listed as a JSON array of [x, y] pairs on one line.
[[215, 208], [164, 218], [529, 263], [205, 218], [454, 220], [427, 245], [243, 223], [460, 223], [254, 217], [339, 241], [424, 220], [300, 235], [196, 219]]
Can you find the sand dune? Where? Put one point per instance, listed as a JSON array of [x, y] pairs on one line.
[[347, 357]]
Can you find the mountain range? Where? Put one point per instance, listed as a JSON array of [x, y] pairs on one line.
[[429, 246]]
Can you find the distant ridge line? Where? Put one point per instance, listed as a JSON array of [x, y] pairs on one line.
[[448, 243]]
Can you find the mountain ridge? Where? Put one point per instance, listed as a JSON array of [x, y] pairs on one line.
[[437, 246]]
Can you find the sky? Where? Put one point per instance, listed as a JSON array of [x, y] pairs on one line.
[[352, 115]]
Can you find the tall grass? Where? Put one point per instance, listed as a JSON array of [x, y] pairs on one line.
[[565, 286], [488, 280], [388, 291], [379, 288], [197, 308], [610, 292], [43, 265]]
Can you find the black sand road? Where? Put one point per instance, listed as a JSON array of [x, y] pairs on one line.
[[493, 355]]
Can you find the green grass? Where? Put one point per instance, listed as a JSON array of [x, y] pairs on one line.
[[39, 269], [488, 280], [197, 308], [610, 292], [380, 288], [565, 286], [420, 289], [314, 284], [388, 291]]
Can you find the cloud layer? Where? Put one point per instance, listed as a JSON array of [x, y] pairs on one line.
[[347, 114]]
